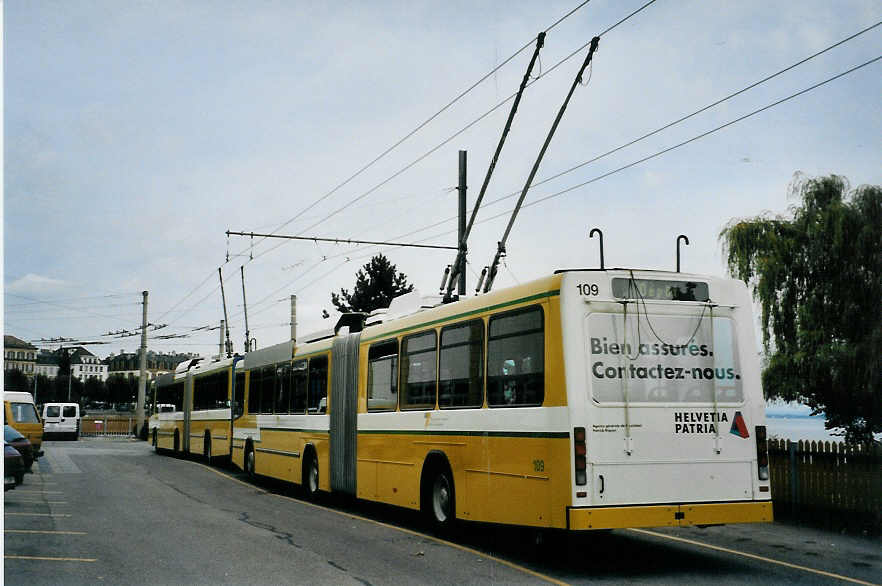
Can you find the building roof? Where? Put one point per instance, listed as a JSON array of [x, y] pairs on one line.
[[13, 342]]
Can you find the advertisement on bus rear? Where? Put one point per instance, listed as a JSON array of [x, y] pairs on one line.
[[663, 359]]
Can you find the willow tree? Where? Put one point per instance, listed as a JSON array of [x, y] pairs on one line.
[[817, 276]]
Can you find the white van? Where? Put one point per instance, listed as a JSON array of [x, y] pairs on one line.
[[62, 419]]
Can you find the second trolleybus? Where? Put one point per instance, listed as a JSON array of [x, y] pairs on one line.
[[587, 399]]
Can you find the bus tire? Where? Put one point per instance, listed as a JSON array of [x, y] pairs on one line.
[[310, 478], [177, 444], [206, 448], [439, 498], [248, 464]]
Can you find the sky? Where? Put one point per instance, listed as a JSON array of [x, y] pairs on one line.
[[136, 133]]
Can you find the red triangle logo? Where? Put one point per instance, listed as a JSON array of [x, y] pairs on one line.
[[738, 426]]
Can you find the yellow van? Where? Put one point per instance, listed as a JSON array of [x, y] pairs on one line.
[[20, 413]]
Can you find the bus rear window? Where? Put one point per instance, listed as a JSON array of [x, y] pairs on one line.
[[663, 359], [659, 290]]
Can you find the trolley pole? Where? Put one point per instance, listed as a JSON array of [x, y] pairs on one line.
[[142, 378]]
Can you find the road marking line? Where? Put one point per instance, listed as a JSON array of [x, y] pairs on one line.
[[41, 532], [401, 529], [48, 559], [37, 514], [39, 492], [754, 556], [36, 502]]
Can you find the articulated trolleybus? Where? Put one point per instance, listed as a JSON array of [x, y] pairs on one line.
[[589, 399]]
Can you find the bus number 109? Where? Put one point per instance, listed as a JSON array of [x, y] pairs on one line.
[[586, 289]]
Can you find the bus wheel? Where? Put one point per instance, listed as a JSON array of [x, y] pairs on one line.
[[311, 477], [206, 449], [439, 503], [249, 461], [177, 442]]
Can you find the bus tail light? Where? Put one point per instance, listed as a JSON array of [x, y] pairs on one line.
[[580, 451], [762, 453]]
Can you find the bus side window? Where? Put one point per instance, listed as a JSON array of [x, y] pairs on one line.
[[177, 396], [254, 391], [267, 386], [516, 358], [382, 385], [418, 371], [298, 382], [283, 388], [461, 378], [317, 401]]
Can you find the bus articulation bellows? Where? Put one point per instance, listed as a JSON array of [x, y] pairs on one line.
[[588, 399]]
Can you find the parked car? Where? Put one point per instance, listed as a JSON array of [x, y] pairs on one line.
[[13, 467], [20, 443]]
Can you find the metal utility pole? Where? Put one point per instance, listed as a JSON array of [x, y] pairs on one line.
[[142, 378], [464, 235], [220, 344], [69, 376], [293, 318], [245, 306], [461, 257], [229, 344], [500, 250]]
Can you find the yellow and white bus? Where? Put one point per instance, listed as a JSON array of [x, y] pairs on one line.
[[191, 408], [588, 399]]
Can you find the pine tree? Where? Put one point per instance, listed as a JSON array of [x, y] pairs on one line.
[[376, 284]]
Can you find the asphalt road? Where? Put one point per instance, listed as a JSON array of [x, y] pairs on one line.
[[112, 511]]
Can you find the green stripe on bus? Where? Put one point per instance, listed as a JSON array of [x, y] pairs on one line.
[[543, 295], [530, 434]]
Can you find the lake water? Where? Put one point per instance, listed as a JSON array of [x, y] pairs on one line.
[[799, 427], [795, 422]]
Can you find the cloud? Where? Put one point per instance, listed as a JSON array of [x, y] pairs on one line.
[[32, 283]]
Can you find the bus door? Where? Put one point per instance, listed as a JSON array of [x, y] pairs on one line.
[[668, 418], [237, 397], [188, 409]]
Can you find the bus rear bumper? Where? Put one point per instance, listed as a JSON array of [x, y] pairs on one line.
[[684, 515]]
